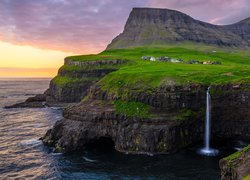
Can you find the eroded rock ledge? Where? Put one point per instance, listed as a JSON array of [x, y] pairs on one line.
[[236, 166], [164, 131], [90, 121]]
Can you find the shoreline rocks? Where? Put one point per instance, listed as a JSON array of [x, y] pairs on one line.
[[38, 101]]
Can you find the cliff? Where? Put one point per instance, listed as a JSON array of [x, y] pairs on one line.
[[149, 105], [147, 26], [236, 166], [175, 119]]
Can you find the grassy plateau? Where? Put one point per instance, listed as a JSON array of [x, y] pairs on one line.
[[139, 75], [144, 75]]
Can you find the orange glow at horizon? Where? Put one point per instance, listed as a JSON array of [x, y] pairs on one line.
[[27, 72], [27, 61]]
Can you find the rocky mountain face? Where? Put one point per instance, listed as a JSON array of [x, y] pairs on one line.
[[147, 26], [241, 28]]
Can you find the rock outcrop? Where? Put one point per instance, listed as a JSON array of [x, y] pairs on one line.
[[169, 128], [241, 28], [75, 78], [38, 101], [165, 132], [148, 26], [236, 166]]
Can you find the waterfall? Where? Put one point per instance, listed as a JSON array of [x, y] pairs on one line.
[[208, 119], [206, 150]]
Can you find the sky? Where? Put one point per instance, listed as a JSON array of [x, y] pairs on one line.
[[36, 35]]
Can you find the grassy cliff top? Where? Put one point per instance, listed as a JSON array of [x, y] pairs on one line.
[[144, 74]]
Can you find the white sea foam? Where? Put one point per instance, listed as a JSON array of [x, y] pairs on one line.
[[31, 142], [89, 160], [238, 148], [55, 108], [56, 154]]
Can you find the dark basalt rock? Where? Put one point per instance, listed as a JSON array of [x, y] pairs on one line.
[[241, 28], [87, 73], [236, 166], [38, 101], [74, 92], [90, 121], [161, 133], [171, 98], [146, 26]]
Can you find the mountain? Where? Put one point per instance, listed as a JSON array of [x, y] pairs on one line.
[[149, 26], [241, 28]]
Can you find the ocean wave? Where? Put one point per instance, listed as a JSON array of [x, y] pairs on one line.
[[31, 142], [56, 108], [56, 154], [89, 160]]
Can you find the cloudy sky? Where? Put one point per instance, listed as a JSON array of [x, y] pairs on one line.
[[87, 26]]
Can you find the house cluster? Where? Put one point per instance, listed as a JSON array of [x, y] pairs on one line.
[[173, 60], [204, 62], [162, 59]]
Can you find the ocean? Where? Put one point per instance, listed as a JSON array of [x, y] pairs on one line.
[[23, 155]]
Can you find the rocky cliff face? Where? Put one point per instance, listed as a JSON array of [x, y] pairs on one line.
[[236, 166], [241, 28], [75, 78], [167, 130], [162, 133], [147, 26]]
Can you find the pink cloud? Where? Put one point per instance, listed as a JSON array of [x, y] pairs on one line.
[[84, 26], [79, 26]]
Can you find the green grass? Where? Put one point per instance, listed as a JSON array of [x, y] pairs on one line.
[[70, 68], [231, 158], [185, 114], [247, 177], [235, 155], [62, 81], [147, 76], [184, 51], [132, 109]]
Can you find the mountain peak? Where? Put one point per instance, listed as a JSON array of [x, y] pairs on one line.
[[149, 26], [154, 15], [245, 21]]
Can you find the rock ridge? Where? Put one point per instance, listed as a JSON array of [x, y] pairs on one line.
[[150, 26]]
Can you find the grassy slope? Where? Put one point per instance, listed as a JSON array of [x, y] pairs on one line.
[[237, 154], [139, 75], [132, 109], [145, 75]]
